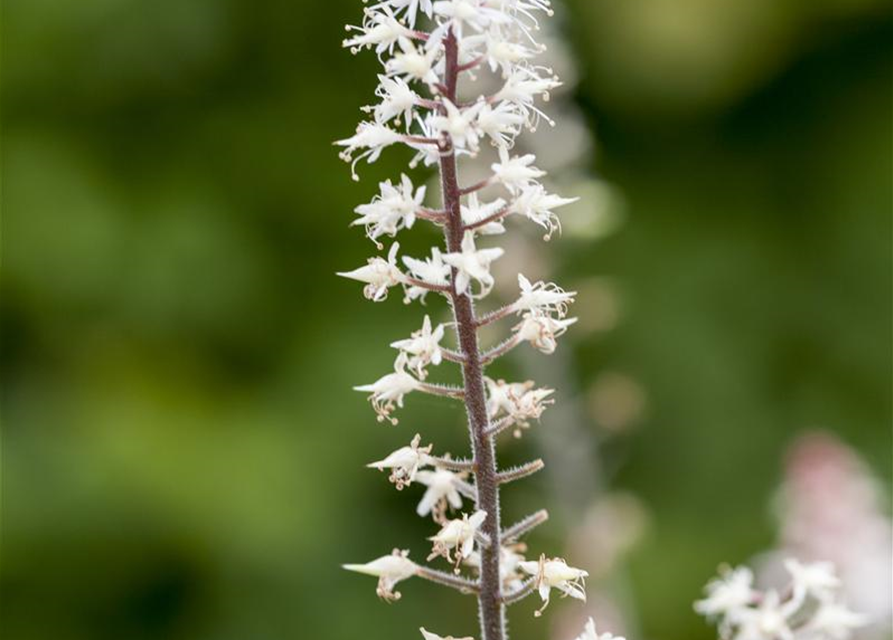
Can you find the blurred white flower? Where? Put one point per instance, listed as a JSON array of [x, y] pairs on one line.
[[590, 633], [817, 579], [441, 485], [834, 621], [730, 592]]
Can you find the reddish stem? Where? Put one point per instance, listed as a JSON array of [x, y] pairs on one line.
[[490, 602]]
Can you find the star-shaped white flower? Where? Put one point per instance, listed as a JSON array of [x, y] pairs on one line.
[[544, 297], [405, 462], [500, 123], [522, 86], [398, 101], [411, 8], [413, 63], [389, 570], [475, 14], [433, 271], [536, 204], [516, 173], [460, 125], [459, 535], [473, 212], [378, 274], [380, 30], [388, 391], [422, 348], [473, 264], [556, 574], [392, 210], [442, 490]]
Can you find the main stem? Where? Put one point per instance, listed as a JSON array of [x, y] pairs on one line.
[[492, 610]]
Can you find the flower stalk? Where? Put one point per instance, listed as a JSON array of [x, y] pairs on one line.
[[468, 37]]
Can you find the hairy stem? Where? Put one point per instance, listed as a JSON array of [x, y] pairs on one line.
[[492, 609]]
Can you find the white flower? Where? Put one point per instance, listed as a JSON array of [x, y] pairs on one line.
[[372, 137], [536, 204], [433, 636], [834, 621], [556, 574], [501, 123], [500, 52], [398, 100], [590, 633], [473, 212], [509, 569], [389, 570], [422, 348], [432, 271], [380, 29], [460, 125], [413, 63], [426, 153], [729, 593], [769, 621], [516, 173], [393, 209], [404, 463], [411, 7], [518, 400], [816, 579], [522, 86], [473, 264], [543, 297], [474, 14], [378, 274], [441, 490], [502, 396], [458, 535], [389, 390], [541, 330]]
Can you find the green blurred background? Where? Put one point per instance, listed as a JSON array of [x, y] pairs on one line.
[[182, 454]]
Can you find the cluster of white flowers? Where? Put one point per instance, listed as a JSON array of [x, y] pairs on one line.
[[809, 608], [427, 50]]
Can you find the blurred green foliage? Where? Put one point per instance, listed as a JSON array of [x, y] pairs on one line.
[[181, 451]]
